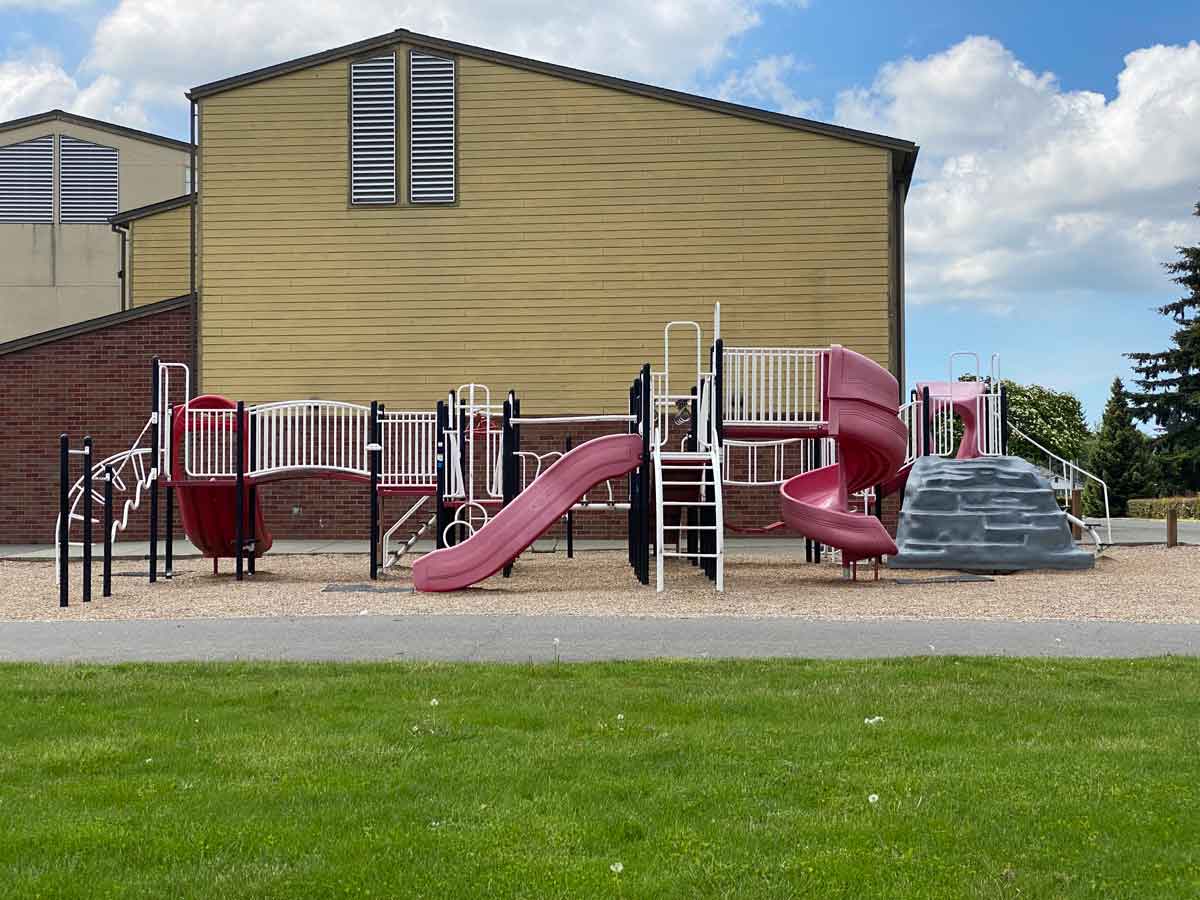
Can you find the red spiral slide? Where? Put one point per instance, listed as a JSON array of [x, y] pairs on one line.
[[208, 508], [860, 408]]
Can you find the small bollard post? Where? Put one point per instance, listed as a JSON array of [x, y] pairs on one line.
[[1172, 526], [1077, 512]]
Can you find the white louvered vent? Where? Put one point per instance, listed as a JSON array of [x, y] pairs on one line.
[[431, 129], [87, 181], [373, 130], [27, 181]]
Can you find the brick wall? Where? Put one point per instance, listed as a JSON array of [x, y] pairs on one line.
[[96, 383]]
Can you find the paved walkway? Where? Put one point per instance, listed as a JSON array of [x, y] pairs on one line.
[[525, 638]]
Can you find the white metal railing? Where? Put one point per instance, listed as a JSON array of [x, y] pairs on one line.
[[669, 405], [317, 435], [941, 425], [773, 385], [942, 439], [309, 434], [166, 435], [472, 407], [409, 454], [208, 442], [770, 463], [1069, 475], [910, 415], [989, 422]]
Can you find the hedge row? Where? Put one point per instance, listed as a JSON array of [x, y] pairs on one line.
[[1156, 508]]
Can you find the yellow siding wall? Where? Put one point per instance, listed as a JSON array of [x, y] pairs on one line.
[[587, 218], [158, 256]]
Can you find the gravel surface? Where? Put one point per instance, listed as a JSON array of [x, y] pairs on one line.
[[1135, 584]]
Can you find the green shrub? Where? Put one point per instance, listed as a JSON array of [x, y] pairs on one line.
[[1156, 507]]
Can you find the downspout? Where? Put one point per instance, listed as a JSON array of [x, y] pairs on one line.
[[192, 250], [123, 231]]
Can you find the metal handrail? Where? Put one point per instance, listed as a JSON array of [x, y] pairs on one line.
[[1068, 470]]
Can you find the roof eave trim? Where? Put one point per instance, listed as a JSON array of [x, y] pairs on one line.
[[402, 35], [150, 209], [60, 115], [99, 323]]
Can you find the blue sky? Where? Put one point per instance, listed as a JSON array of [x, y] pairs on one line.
[[1058, 164]]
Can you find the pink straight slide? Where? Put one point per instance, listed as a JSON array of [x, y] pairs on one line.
[[535, 509]]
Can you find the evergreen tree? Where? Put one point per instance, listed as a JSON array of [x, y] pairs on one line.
[[1170, 379], [1121, 457]]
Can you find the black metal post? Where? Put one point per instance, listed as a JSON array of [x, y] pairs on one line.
[[155, 443], [718, 410], [1004, 427], [570, 510], [926, 423], [169, 549], [440, 518], [87, 519], [64, 517], [252, 497], [508, 470], [106, 581], [631, 517], [647, 417], [508, 467], [816, 465], [463, 425], [239, 485], [374, 468]]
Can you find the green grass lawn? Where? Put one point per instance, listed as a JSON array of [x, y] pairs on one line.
[[994, 778]]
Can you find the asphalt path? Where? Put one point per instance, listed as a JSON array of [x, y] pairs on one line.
[[574, 638]]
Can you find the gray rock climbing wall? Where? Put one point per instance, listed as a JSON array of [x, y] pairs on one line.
[[996, 514]]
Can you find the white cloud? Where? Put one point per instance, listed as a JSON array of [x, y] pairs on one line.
[[765, 84], [161, 47], [1025, 188], [37, 82]]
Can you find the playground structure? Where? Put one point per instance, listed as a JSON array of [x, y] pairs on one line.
[[736, 419]]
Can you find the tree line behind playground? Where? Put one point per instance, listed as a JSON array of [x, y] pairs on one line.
[[1134, 464]]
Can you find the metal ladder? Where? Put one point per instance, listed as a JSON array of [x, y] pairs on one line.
[[389, 556], [705, 516]]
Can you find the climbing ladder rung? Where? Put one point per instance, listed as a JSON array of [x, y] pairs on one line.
[[689, 528], [707, 503], [681, 555], [687, 484]]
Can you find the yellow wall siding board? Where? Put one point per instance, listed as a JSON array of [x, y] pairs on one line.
[[587, 218], [158, 266]]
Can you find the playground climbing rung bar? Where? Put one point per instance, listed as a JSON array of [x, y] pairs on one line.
[[773, 385]]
